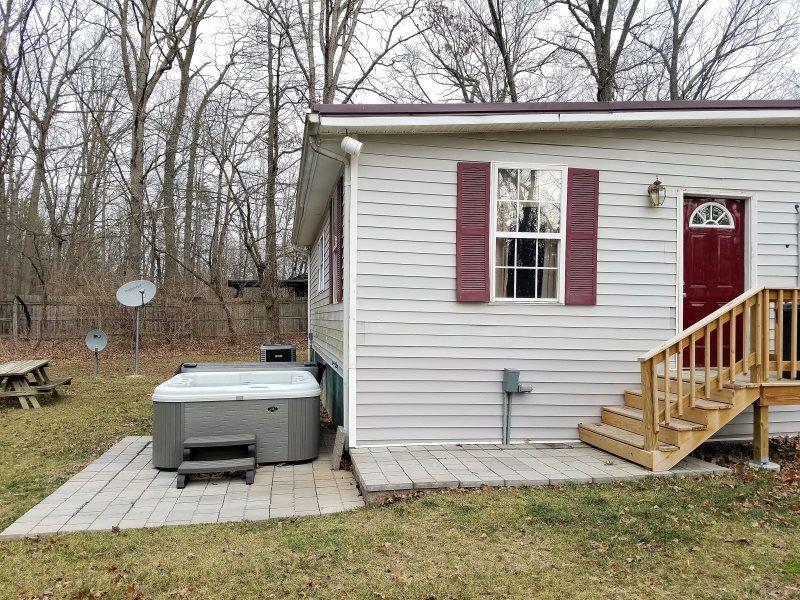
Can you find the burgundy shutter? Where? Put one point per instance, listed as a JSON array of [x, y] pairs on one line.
[[340, 240], [472, 232], [331, 233], [583, 187]]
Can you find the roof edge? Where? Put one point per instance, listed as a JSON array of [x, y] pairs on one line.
[[361, 110]]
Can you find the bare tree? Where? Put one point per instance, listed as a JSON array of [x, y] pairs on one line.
[[708, 51], [598, 33], [189, 248], [149, 41], [483, 51], [14, 16], [324, 36]]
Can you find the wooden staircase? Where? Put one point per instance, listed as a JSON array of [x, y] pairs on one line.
[[692, 386]]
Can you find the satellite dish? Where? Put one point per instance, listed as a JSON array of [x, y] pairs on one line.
[[96, 340], [136, 293]]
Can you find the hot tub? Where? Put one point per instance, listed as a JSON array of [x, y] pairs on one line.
[[281, 408]]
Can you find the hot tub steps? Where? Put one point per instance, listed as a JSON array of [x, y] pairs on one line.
[[244, 444], [219, 441], [226, 465]]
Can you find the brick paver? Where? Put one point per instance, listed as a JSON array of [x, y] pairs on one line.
[[122, 489], [404, 468]]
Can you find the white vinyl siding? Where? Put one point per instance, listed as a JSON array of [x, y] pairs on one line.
[[325, 318], [429, 368]]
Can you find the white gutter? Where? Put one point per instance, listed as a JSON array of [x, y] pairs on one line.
[[353, 148], [564, 120]]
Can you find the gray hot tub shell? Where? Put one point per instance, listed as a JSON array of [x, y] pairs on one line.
[[281, 408], [188, 367]]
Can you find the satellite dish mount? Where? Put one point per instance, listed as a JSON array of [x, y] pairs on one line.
[[136, 294], [96, 340]]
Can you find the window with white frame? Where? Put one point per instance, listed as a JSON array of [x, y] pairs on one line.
[[713, 215], [528, 233], [322, 263]]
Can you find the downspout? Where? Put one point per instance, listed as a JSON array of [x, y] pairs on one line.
[[316, 147], [353, 148]]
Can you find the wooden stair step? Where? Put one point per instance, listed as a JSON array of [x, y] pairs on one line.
[[624, 436], [674, 422], [700, 403], [720, 395]]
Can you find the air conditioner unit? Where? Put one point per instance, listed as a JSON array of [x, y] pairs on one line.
[[278, 353]]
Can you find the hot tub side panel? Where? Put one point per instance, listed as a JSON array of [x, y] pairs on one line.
[[267, 419], [303, 428], [167, 434]]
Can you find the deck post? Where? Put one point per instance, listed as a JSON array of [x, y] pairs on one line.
[[761, 438], [649, 405]]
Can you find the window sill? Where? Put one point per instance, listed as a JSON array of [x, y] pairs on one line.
[[513, 301]]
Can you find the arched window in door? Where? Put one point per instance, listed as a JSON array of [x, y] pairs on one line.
[[713, 215]]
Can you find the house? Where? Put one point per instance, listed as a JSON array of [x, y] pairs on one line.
[[448, 242]]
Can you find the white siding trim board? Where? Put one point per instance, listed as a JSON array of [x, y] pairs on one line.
[[350, 191], [566, 120]]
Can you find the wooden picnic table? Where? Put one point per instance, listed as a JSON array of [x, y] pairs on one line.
[[15, 384]]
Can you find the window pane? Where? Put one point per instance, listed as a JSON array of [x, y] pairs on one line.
[[550, 218], [548, 186], [526, 252], [506, 216], [504, 283], [507, 185], [547, 251], [526, 183], [528, 217], [504, 252], [526, 283], [547, 279]]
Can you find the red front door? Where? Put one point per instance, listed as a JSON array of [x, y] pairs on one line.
[[713, 261]]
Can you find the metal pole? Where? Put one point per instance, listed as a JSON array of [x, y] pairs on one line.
[[507, 418], [96, 363], [136, 352]]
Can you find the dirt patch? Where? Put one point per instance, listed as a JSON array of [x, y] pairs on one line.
[[735, 455]]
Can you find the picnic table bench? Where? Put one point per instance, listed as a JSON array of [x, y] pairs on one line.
[[14, 381]]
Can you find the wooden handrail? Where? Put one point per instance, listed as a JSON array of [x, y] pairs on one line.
[[752, 325], [701, 324]]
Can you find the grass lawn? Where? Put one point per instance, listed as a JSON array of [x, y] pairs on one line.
[[728, 537]]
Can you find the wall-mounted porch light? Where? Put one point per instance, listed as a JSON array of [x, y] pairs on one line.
[[657, 193]]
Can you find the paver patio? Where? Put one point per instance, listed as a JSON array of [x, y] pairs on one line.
[[122, 489], [405, 468]]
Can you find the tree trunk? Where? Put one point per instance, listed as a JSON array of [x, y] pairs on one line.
[[133, 263], [170, 158], [268, 275]]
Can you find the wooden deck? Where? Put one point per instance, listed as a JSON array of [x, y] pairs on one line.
[[693, 386]]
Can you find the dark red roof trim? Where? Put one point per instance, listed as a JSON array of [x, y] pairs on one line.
[[360, 110]]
